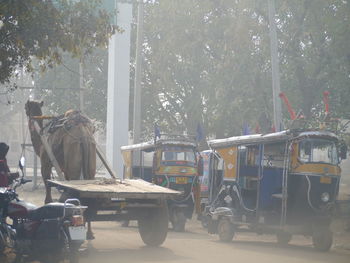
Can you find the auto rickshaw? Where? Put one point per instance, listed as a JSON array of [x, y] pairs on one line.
[[283, 183], [209, 181], [173, 162]]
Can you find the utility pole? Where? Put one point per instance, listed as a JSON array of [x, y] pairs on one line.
[[137, 83], [138, 74], [276, 89]]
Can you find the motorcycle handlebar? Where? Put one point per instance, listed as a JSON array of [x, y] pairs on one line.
[[24, 181]]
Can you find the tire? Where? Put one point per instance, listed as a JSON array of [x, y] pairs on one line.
[[74, 256], [179, 221], [153, 227], [2, 244], [51, 258], [2, 248], [225, 230], [18, 259], [73, 253], [283, 238], [322, 240]]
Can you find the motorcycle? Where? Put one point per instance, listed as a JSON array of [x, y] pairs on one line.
[[52, 233]]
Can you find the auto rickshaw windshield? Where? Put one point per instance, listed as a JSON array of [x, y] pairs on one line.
[[316, 150], [177, 154]]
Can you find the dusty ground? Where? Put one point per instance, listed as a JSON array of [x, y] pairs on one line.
[[117, 244]]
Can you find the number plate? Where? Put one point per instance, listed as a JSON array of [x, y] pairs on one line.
[[77, 232], [325, 180], [181, 180]]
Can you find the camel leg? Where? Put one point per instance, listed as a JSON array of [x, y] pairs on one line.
[[91, 161], [45, 173], [89, 234]]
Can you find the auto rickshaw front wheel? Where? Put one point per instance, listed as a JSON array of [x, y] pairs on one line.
[[322, 240], [225, 230]]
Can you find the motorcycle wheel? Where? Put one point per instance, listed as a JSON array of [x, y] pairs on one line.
[[18, 259], [51, 258], [2, 245], [2, 248], [74, 256]]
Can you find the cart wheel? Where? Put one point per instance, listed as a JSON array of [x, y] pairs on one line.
[[283, 238], [179, 221], [322, 240], [225, 230], [153, 227]]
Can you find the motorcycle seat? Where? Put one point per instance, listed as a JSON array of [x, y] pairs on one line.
[[50, 211]]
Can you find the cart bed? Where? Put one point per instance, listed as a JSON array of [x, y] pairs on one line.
[[110, 188]]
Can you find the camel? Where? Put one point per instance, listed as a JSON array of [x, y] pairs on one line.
[[72, 143]]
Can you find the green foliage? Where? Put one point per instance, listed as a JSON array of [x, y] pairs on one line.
[[44, 29], [209, 61], [59, 86]]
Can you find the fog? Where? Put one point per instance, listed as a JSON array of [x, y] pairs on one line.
[[262, 86]]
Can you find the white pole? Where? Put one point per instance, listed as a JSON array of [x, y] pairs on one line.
[[137, 83], [118, 89], [138, 75], [276, 90]]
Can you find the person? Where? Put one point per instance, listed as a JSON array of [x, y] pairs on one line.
[[6, 177]]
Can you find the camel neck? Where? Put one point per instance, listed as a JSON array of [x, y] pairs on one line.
[[36, 140]]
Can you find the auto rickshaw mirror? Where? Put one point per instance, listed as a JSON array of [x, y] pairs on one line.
[[22, 162]]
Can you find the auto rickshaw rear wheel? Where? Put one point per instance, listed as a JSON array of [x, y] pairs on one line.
[[225, 230], [153, 227], [322, 240], [283, 238]]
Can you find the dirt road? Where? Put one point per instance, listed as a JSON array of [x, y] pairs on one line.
[[114, 244], [117, 244]]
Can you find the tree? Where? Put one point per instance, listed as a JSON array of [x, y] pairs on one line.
[[45, 28], [205, 64], [315, 56], [209, 61], [59, 86]]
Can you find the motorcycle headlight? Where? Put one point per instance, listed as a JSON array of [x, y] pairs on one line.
[[325, 197]]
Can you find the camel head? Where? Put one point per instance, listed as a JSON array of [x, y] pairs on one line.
[[33, 108]]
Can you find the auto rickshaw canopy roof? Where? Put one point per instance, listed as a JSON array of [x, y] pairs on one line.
[[169, 140], [268, 138]]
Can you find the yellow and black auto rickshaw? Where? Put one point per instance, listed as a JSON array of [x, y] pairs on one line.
[[284, 183], [172, 162]]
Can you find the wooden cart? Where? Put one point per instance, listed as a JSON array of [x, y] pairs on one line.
[[116, 200]]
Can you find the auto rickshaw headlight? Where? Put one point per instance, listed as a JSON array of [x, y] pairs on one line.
[[325, 197]]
